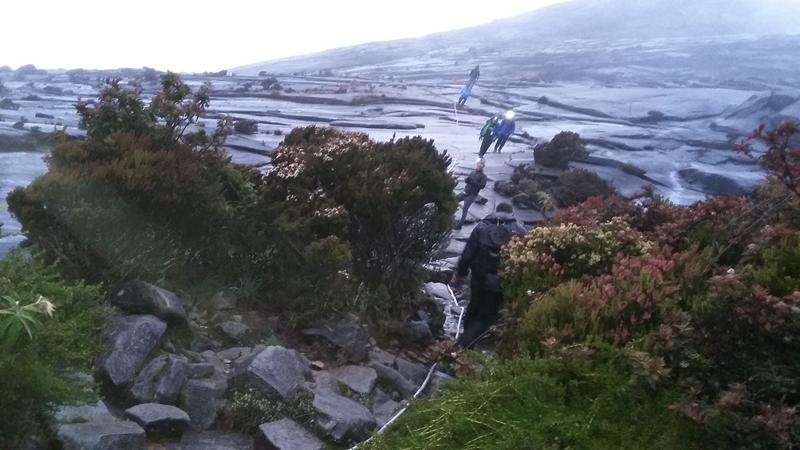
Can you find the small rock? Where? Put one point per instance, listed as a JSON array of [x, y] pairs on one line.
[[383, 407], [223, 300], [348, 335], [235, 354], [233, 330], [406, 387], [159, 420], [202, 399], [342, 419], [381, 357], [317, 365], [286, 434], [127, 342], [274, 371], [358, 378], [141, 297], [116, 435]]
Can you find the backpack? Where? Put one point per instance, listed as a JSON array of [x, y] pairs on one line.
[[495, 237]]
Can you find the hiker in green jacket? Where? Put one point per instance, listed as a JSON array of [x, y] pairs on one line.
[[486, 137]]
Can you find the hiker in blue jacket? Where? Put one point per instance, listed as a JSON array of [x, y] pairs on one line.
[[466, 91], [503, 129]]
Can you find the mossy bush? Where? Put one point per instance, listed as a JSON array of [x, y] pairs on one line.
[[566, 146], [575, 186]]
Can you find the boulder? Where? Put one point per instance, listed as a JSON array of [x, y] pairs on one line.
[[342, 419], [351, 337], [223, 300], [127, 342], [159, 420], [233, 330], [161, 379], [415, 372], [360, 379], [202, 399], [394, 377], [286, 434], [211, 440], [141, 297], [113, 435], [274, 371]]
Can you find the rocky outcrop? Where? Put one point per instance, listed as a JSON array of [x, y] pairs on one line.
[[286, 434], [275, 372], [140, 297], [393, 377], [711, 182], [127, 342], [159, 420]]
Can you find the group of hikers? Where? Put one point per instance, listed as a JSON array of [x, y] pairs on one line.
[[497, 128], [480, 259]]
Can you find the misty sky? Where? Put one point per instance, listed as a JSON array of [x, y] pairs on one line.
[[206, 35]]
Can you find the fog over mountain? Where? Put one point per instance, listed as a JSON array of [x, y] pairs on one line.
[[596, 20]]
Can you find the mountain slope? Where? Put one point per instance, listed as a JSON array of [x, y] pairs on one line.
[[599, 20]]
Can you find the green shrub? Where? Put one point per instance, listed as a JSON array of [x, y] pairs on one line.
[[245, 126], [778, 270], [577, 185], [563, 148], [583, 399], [140, 196], [32, 371]]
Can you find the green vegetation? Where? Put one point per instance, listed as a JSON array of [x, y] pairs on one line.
[[339, 223], [583, 398], [642, 324], [248, 409], [48, 328]]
